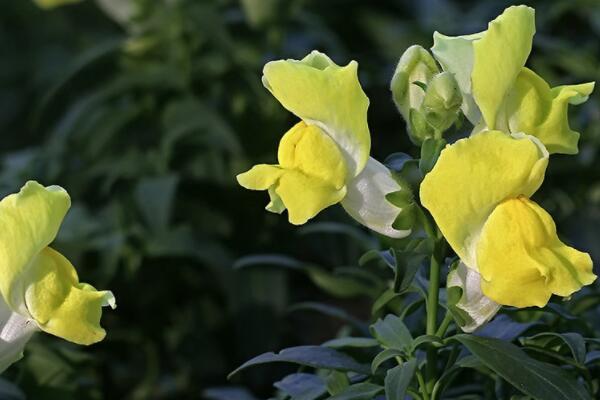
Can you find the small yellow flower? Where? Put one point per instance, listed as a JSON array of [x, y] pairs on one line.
[[324, 159], [479, 194], [39, 287]]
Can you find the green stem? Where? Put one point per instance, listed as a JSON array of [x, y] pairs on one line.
[[444, 325], [414, 394], [422, 385], [432, 308]]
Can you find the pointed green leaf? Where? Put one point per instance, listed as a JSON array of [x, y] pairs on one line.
[[532, 377], [398, 379]]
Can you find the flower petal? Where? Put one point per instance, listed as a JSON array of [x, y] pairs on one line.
[[478, 307], [60, 304], [535, 108], [325, 94], [260, 177], [499, 56], [522, 261], [310, 177], [15, 332], [455, 55], [29, 221], [305, 196], [366, 200], [487, 63], [473, 176], [308, 149]]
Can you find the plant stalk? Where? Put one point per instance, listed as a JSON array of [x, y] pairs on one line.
[[432, 309]]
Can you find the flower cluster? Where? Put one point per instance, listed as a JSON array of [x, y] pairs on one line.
[[479, 190]]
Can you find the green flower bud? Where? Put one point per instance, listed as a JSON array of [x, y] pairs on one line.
[[415, 65], [419, 129], [442, 101]]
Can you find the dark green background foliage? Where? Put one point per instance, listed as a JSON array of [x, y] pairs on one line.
[[146, 123]]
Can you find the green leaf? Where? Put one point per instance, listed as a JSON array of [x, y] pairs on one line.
[[532, 377], [392, 333], [574, 341], [396, 161], [407, 266], [424, 339], [430, 152], [331, 311], [382, 357], [155, 198], [310, 356], [359, 391], [338, 285], [592, 357], [366, 241], [279, 260], [383, 300], [9, 391], [505, 328], [302, 386], [337, 382], [357, 342], [227, 393], [398, 379]]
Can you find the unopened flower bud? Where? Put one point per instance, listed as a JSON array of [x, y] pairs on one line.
[[442, 101], [415, 65]]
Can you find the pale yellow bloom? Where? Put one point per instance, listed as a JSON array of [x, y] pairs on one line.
[[479, 195]]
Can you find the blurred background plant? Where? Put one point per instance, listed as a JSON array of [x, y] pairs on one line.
[[145, 110]]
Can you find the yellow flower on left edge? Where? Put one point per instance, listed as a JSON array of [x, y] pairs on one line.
[[39, 287], [324, 159]]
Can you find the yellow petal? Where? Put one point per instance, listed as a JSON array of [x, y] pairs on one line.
[[473, 176], [325, 94], [486, 64], [499, 56], [29, 221], [305, 196], [310, 177], [60, 304], [260, 177], [533, 107], [522, 261], [308, 149]]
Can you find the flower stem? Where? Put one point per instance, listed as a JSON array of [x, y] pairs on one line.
[[432, 308], [422, 385], [444, 325]]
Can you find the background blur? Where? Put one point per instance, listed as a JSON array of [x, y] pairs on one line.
[[145, 110]]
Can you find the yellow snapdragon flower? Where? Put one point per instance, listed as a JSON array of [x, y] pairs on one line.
[[324, 158], [39, 287], [479, 195], [499, 92]]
